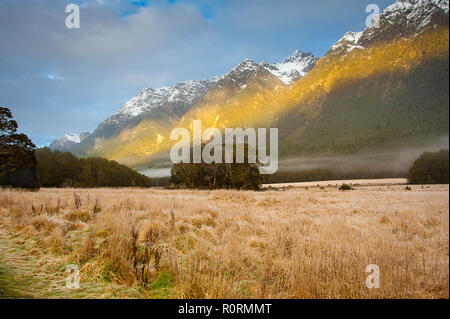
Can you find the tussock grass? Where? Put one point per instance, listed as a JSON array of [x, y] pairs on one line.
[[298, 243]]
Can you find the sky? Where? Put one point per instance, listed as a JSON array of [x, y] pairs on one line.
[[58, 80]]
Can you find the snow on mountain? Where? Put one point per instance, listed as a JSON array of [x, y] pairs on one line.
[[401, 19], [65, 142], [72, 137], [293, 68], [348, 42], [149, 98], [188, 92], [245, 66], [290, 70], [239, 76], [415, 10]]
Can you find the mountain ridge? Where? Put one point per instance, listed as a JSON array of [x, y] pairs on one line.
[[172, 102]]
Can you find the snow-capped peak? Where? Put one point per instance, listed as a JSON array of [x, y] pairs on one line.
[[403, 18], [72, 137], [349, 41], [68, 140], [293, 68], [147, 98], [413, 8], [299, 56], [245, 66], [417, 12]]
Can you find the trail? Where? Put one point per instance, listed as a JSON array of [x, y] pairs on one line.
[[24, 275], [25, 272]]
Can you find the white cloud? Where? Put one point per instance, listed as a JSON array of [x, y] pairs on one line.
[[55, 77]]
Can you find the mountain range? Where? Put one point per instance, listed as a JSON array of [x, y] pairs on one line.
[[378, 89]]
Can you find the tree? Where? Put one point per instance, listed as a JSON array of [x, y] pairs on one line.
[[17, 160], [430, 168], [217, 175]]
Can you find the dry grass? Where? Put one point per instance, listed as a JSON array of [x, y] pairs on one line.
[[297, 243]]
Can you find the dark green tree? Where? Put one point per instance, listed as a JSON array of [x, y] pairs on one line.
[[17, 160], [430, 168]]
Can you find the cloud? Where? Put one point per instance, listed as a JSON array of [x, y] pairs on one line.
[[55, 77]]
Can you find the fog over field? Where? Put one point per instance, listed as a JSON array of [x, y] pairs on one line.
[[395, 162]]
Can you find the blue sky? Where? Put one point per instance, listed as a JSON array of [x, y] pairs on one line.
[[57, 80]]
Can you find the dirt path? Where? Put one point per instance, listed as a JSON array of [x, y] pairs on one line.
[[25, 272]]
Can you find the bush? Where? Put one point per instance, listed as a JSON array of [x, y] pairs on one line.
[[430, 168], [345, 187]]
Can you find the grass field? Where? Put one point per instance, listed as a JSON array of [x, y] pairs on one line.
[[302, 242]]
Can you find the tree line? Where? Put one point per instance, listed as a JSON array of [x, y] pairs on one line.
[[22, 165], [58, 169]]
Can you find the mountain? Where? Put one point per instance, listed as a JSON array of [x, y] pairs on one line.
[[137, 128], [293, 68], [166, 105], [379, 89], [375, 89], [68, 141]]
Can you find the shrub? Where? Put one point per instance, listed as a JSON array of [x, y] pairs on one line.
[[345, 187]]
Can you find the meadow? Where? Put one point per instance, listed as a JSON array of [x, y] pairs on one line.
[[288, 242]]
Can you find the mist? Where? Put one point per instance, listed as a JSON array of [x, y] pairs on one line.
[[395, 162]]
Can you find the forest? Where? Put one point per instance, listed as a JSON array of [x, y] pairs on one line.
[[57, 169]]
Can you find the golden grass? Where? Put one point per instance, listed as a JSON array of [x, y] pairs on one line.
[[296, 243]]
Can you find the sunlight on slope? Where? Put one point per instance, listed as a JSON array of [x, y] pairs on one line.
[[265, 98]]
